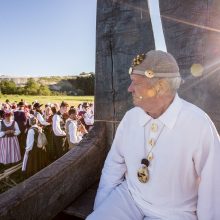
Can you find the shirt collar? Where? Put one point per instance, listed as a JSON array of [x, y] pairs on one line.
[[144, 118], [168, 118]]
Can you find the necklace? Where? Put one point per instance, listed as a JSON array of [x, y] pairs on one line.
[[143, 172]]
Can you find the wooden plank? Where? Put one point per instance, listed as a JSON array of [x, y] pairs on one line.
[[47, 193], [10, 171]]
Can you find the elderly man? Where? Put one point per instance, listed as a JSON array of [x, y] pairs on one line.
[[164, 161]]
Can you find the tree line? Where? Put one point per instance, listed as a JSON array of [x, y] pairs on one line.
[[32, 87], [80, 85]]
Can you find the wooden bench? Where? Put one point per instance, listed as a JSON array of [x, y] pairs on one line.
[[83, 205]]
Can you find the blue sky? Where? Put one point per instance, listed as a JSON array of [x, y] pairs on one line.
[[47, 37]]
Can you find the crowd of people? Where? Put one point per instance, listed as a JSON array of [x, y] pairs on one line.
[[37, 135]]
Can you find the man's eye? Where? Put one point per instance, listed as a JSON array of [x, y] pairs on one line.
[[137, 84]]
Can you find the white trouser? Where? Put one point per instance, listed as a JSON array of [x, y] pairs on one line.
[[120, 206]]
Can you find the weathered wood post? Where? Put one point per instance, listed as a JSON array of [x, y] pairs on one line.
[[123, 30]]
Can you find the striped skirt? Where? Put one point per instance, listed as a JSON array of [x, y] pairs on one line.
[[9, 150]]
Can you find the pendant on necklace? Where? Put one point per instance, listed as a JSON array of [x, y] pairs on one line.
[[150, 156], [143, 172]]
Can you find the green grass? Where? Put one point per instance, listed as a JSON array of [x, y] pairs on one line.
[[71, 100]]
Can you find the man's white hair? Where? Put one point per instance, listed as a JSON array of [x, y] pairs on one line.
[[174, 83]]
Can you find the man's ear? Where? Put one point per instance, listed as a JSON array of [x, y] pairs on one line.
[[162, 86], [154, 90]]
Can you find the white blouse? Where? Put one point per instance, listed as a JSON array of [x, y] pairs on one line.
[[56, 126], [75, 136], [41, 119], [16, 132], [88, 118], [184, 172], [30, 138]]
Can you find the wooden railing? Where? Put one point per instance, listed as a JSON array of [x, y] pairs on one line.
[[48, 192], [10, 171]]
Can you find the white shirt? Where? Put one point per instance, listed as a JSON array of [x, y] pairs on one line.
[[88, 118], [30, 139], [56, 126], [41, 119], [186, 151], [16, 132], [75, 137]]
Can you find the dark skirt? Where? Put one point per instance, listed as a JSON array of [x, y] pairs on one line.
[[37, 160], [60, 146], [49, 147]]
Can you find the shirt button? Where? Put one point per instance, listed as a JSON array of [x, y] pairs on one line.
[[151, 142], [150, 156], [154, 127]]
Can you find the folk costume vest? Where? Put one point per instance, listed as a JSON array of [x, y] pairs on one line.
[[5, 128]]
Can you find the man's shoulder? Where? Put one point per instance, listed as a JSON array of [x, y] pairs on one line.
[[195, 113], [192, 108], [132, 115], [71, 122], [19, 112], [56, 116]]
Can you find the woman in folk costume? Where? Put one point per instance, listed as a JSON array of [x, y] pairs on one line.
[[35, 157], [59, 135], [39, 115], [9, 145], [74, 129]]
